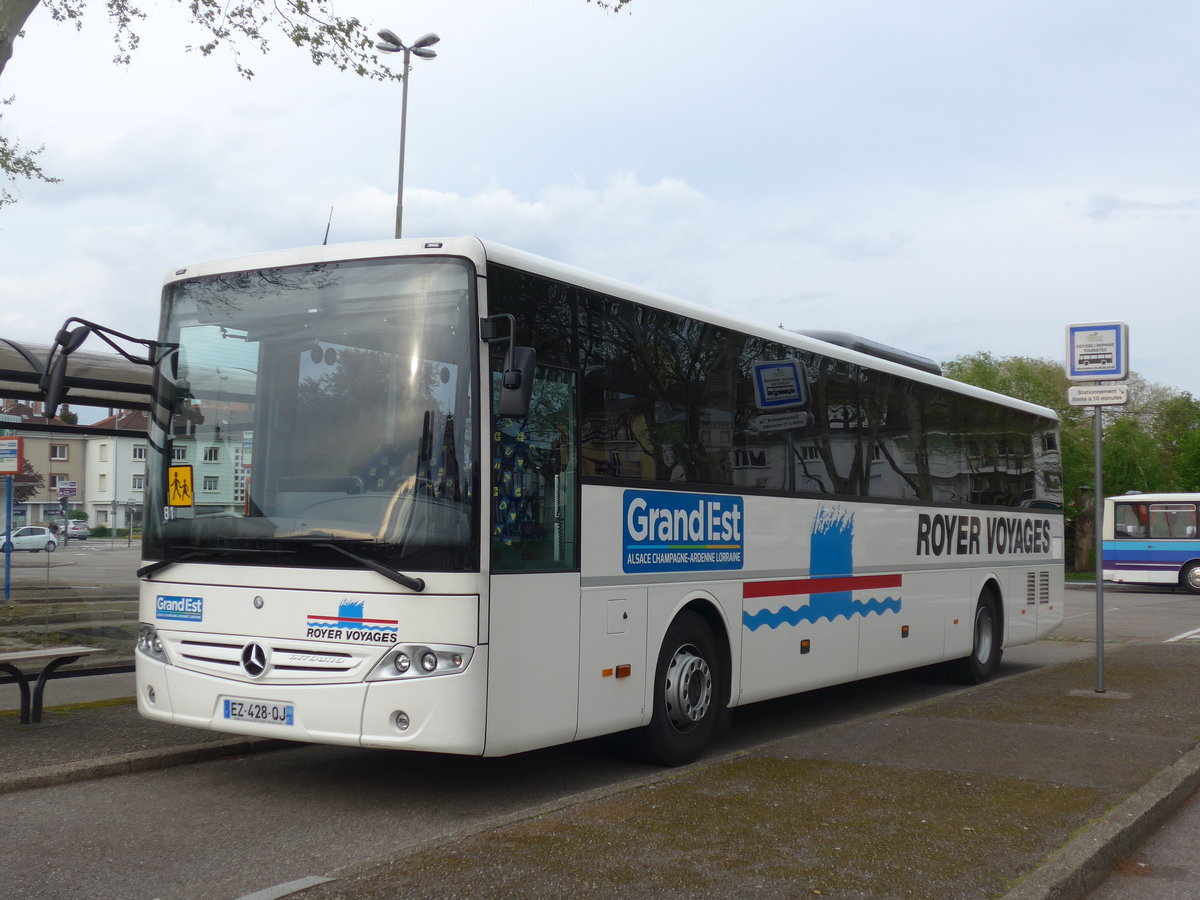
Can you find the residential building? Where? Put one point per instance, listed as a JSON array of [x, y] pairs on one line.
[[60, 458], [115, 472]]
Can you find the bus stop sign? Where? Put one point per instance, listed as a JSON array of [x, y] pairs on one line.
[[10, 456], [1098, 352]]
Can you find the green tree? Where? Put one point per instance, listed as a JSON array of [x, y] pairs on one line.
[[1024, 377], [1187, 462], [1175, 425], [1133, 459]]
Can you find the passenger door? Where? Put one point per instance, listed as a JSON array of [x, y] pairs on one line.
[[533, 626]]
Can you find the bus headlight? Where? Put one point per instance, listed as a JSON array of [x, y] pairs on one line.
[[150, 643], [432, 660]]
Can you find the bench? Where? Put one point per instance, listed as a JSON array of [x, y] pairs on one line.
[[53, 658]]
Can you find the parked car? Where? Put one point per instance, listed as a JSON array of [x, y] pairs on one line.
[[31, 537], [78, 529]]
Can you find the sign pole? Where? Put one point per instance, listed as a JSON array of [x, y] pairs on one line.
[[1099, 532], [12, 463], [8, 492], [1096, 352]]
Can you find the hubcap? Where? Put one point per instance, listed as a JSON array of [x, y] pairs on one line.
[[1193, 578], [689, 688]]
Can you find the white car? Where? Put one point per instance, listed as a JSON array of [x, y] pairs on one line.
[[31, 537]]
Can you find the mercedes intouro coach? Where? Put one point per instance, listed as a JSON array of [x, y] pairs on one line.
[[444, 495]]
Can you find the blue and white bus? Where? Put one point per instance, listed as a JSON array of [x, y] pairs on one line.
[[1152, 539], [444, 495]]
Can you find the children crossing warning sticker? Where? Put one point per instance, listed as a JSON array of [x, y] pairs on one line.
[[179, 486]]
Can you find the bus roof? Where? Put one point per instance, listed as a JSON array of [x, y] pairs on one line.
[[1137, 497]]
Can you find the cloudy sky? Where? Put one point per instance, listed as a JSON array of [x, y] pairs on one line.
[[942, 176]]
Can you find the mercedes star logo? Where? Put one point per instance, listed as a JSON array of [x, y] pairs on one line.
[[254, 660]]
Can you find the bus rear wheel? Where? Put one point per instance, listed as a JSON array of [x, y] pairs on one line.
[[986, 650], [688, 697], [1190, 578]]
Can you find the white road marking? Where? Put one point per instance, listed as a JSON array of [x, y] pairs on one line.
[[1187, 635], [288, 887]]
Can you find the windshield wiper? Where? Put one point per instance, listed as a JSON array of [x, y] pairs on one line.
[[193, 552], [413, 584]]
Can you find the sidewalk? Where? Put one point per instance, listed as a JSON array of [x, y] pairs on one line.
[[1033, 784], [91, 729]]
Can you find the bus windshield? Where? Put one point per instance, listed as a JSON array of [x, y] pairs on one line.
[[319, 415]]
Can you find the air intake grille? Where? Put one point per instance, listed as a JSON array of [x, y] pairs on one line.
[[1037, 588], [288, 662]]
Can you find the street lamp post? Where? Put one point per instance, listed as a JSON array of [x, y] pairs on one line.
[[389, 43]]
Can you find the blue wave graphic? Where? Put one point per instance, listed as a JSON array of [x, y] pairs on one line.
[[831, 554], [834, 608]]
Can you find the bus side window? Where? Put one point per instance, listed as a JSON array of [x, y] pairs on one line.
[[1159, 526], [1128, 522], [533, 471]]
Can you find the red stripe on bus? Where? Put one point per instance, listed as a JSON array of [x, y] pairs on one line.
[[751, 589]]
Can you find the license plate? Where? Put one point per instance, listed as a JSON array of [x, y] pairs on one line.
[[266, 712]]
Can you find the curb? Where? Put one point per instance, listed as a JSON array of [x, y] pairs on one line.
[[1080, 866], [140, 761], [19, 623]]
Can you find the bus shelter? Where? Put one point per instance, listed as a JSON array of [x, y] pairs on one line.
[[103, 380]]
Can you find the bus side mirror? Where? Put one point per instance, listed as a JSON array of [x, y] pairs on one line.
[[516, 383], [516, 388], [51, 382]]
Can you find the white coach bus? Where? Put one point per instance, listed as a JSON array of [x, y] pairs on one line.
[[448, 496]]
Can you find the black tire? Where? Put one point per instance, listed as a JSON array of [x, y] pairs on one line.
[[51, 546], [689, 695], [986, 641], [1189, 578]]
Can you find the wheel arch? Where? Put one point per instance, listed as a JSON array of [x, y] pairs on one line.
[[1183, 574], [708, 609]]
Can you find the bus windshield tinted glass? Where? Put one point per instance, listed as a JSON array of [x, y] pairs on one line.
[[320, 405]]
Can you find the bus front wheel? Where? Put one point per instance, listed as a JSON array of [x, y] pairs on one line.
[[687, 695], [986, 649], [1190, 578]]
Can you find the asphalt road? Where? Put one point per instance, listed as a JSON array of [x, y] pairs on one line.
[[91, 565], [1131, 615]]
